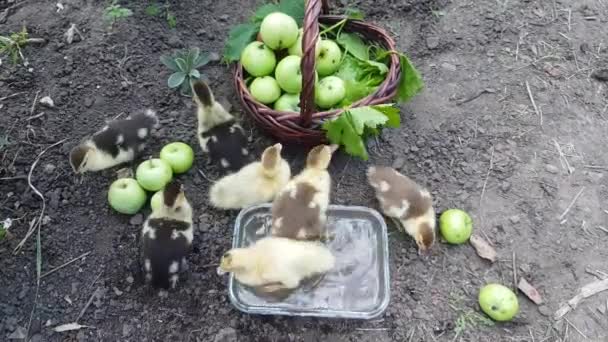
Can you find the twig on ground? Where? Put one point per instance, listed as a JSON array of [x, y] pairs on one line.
[[585, 292], [11, 95], [561, 217], [34, 103], [562, 157], [603, 229], [596, 167], [476, 95], [64, 265], [575, 328], [538, 112], [29, 181], [205, 176], [514, 274], [343, 173], [34, 116], [485, 183], [84, 309]]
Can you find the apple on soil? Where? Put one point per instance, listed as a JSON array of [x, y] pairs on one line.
[[279, 31], [329, 92], [265, 89], [153, 174], [296, 48], [126, 196], [456, 226], [329, 57], [178, 155], [258, 60], [288, 103], [498, 302]]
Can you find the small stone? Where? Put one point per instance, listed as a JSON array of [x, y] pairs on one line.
[[226, 335], [130, 279], [136, 219], [448, 66], [117, 291], [224, 17], [514, 219], [414, 149], [47, 101], [573, 245], [201, 32], [46, 220], [214, 57], [551, 168], [398, 163], [505, 186], [600, 75], [127, 329], [49, 168], [88, 102], [545, 310], [174, 41], [432, 42]]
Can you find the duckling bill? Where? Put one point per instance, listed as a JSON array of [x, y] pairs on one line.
[[118, 142]]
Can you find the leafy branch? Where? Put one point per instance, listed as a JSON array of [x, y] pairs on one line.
[[184, 66], [12, 45]]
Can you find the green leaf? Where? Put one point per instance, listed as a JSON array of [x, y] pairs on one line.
[[152, 10], [176, 79], [391, 112], [193, 54], [195, 73], [294, 9], [171, 20], [182, 65], [201, 60], [239, 37], [353, 44], [186, 88], [354, 13], [360, 79], [341, 131], [263, 11], [411, 82], [169, 62], [366, 116]]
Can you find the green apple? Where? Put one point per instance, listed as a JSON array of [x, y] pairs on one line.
[[498, 302], [296, 48], [456, 226], [329, 57], [179, 155], [329, 92], [279, 31], [126, 196], [153, 174], [265, 89], [288, 103], [289, 75], [156, 200], [258, 60]]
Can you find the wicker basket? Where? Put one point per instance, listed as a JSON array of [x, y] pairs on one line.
[[304, 128]]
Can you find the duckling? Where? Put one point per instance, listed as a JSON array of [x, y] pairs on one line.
[[277, 263], [255, 183], [299, 210], [219, 133], [118, 142], [401, 198], [167, 238]]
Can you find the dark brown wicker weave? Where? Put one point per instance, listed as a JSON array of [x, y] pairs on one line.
[[303, 128]]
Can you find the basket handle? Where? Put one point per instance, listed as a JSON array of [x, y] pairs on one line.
[[310, 27]]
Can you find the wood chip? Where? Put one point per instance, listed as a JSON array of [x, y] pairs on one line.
[[483, 248], [529, 291], [69, 327], [585, 292]]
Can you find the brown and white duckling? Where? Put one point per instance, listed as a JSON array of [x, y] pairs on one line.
[[167, 238], [255, 183], [277, 263], [118, 142], [300, 210], [219, 134], [401, 198]]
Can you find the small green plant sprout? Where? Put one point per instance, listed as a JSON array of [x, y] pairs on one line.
[[115, 12], [155, 10], [4, 226], [11, 46], [184, 66]]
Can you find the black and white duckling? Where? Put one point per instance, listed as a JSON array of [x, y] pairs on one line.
[[277, 263], [402, 198], [167, 238], [219, 134], [256, 183], [118, 142], [300, 210]]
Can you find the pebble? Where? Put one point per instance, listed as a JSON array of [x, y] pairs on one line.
[[432, 42], [514, 219], [49, 168], [224, 17], [88, 102], [448, 66], [127, 329], [47, 101], [545, 310], [214, 57], [226, 335], [130, 279], [505, 186], [398, 163], [136, 219], [551, 168], [174, 41]]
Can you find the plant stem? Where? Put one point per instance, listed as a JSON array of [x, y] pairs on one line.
[[339, 23]]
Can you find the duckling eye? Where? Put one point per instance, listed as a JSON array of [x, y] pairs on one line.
[[178, 209], [226, 255]]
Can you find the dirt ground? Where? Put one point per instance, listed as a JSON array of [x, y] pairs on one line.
[[532, 173]]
